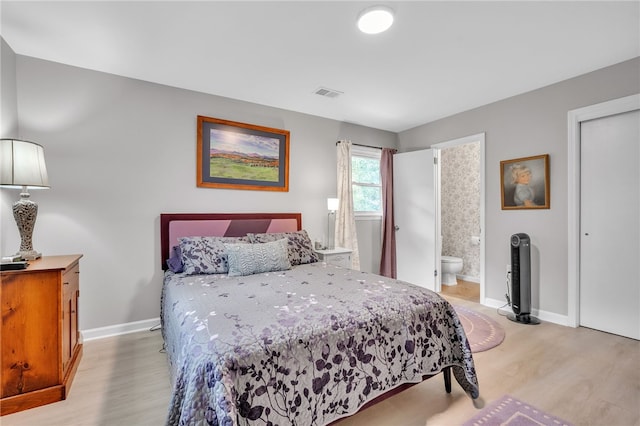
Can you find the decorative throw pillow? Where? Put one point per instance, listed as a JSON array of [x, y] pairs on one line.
[[247, 259], [300, 247], [206, 255], [174, 263]]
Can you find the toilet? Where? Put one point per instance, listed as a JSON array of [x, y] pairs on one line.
[[450, 267]]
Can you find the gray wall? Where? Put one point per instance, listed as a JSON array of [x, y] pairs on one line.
[[8, 93], [529, 124], [120, 151]]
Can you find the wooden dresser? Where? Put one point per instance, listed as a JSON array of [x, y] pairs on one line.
[[39, 333]]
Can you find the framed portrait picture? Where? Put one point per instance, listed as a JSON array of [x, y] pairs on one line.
[[236, 155], [524, 183]]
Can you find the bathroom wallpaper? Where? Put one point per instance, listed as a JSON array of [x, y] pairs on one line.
[[460, 201]]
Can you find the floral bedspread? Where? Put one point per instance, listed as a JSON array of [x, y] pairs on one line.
[[304, 346]]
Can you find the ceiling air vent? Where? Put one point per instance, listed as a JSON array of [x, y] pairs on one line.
[[327, 93]]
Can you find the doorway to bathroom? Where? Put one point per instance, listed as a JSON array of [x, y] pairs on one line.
[[460, 199]]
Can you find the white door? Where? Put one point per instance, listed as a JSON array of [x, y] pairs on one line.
[[415, 217], [609, 291]]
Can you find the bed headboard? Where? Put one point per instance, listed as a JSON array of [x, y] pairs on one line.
[[176, 225]]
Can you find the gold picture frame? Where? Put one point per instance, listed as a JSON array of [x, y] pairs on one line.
[[524, 183], [235, 155]]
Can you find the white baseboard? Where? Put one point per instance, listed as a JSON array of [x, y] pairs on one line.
[[119, 329], [468, 278], [541, 315]]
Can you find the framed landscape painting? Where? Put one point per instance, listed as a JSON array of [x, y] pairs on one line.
[[236, 155], [524, 183]]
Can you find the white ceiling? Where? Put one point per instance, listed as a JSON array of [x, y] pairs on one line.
[[438, 59]]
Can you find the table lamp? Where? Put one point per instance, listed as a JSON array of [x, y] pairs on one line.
[[22, 166], [332, 206]]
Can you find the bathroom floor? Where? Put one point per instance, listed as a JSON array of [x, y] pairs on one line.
[[464, 290]]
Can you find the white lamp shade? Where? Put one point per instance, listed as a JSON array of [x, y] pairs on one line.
[[22, 164], [332, 204]]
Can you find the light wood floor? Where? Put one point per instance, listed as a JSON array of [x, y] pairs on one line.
[[583, 376], [466, 290]]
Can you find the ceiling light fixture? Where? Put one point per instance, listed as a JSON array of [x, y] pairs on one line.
[[375, 19]]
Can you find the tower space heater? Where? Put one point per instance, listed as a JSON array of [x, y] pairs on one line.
[[521, 280]]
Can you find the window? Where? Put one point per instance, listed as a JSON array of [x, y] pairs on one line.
[[366, 181]]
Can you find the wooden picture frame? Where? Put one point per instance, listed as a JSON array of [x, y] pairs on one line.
[[235, 155], [524, 183]]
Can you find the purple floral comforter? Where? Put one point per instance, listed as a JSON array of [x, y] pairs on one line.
[[305, 346]]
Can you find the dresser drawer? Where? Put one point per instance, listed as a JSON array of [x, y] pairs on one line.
[[71, 279]]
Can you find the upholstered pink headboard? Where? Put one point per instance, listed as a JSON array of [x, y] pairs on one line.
[[176, 225]]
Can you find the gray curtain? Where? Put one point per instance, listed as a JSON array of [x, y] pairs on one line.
[[388, 256]]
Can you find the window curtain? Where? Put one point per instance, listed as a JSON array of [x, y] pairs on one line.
[[388, 256], [345, 233]]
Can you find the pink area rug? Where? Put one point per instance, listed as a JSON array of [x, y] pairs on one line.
[[509, 411], [482, 331]]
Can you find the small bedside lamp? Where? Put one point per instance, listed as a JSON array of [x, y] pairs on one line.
[[22, 166], [332, 206]]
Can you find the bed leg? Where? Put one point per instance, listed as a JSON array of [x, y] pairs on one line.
[[447, 379]]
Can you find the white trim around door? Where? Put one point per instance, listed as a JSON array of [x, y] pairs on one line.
[[480, 137]]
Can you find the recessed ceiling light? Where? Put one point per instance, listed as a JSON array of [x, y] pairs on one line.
[[375, 19]]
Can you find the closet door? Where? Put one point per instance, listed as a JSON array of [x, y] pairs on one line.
[[610, 224], [415, 217]]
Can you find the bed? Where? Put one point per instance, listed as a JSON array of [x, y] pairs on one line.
[[257, 331]]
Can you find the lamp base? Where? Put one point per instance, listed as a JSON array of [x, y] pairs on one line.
[[25, 212], [331, 230], [29, 254]]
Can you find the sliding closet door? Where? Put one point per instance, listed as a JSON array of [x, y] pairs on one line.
[[610, 224]]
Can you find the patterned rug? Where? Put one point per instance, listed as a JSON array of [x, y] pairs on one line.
[[483, 332], [509, 411]]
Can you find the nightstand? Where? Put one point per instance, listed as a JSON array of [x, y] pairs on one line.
[[41, 346], [338, 256]]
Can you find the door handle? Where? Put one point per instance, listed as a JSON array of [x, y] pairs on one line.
[[396, 228]]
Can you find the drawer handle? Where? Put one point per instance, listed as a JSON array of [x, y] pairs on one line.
[[66, 283]]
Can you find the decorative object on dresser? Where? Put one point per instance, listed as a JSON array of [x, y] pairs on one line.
[[22, 166], [39, 337], [337, 256]]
